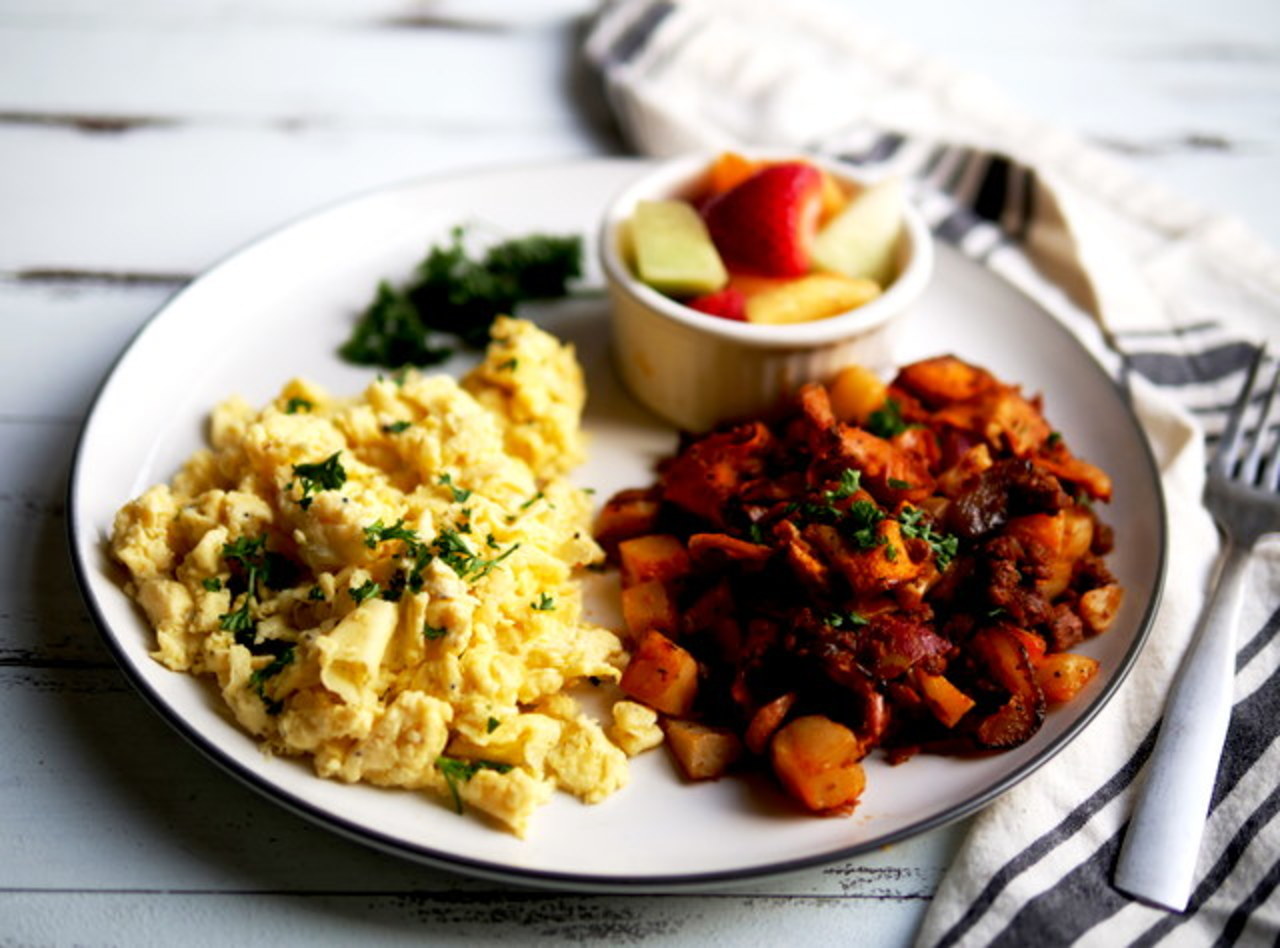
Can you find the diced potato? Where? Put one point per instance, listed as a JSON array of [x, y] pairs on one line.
[[856, 392], [629, 513], [766, 721], [875, 569], [972, 463], [1064, 536], [1019, 421], [702, 752], [947, 702], [647, 606], [1061, 676], [1098, 607], [944, 379], [1021, 716], [657, 556], [817, 761], [1033, 643], [662, 675]]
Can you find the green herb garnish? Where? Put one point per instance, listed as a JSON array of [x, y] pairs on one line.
[[328, 474], [887, 421], [456, 772], [212, 583], [396, 427], [364, 592], [544, 604], [460, 495], [376, 533], [259, 678], [295, 405], [454, 294], [845, 620], [944, 546]]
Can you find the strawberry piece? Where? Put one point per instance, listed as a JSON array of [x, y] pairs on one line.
[[767, 223], [728, 303]]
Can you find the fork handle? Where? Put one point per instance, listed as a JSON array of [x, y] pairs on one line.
[[1158, 859]]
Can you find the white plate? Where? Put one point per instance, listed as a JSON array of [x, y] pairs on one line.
[[281, 308]]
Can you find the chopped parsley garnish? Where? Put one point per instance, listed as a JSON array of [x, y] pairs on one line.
[[460, 495], [1054, 439], [491, 725], [259, 678], [532, 500], [826, 509], [376, 533], [544, 604], [212, 583], [315, 594], [887, 421], [509, 365], [454, 294], [860, 524], [850, 482], [396, 427], [433, 632], [245, 552], [456, 772], [253, 563], [448, 546], [328, 474], [898, 484], [944, 546], [364, 592], [845, 620], [237, 620], [295, 405]]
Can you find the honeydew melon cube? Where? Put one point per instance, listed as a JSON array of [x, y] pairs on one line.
[[862, 240], [673, 251]]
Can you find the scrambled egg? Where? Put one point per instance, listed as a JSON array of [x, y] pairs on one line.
[[386, 583]]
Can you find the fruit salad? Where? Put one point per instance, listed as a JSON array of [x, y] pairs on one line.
[[770, 241]]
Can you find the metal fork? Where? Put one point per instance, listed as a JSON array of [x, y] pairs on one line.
[[1158, 858]]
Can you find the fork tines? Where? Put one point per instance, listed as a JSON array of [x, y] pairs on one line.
[[1256, 466]]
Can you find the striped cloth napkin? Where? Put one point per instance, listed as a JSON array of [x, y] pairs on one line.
[[1172, 299]]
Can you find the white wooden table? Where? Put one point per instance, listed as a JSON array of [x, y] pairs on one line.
[[140, 141]]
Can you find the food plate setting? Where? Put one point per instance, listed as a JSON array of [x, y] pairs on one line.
[[283, 307]]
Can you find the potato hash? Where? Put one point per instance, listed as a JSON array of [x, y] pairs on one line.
[[905, 567]]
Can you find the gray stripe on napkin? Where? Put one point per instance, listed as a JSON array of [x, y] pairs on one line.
[[1207, 365], [636, 36], [1041, 847], [1084, 898]]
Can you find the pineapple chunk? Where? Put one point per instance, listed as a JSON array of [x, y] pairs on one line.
[[802, 299]]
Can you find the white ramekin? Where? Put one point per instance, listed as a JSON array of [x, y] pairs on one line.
[[697, 371]]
